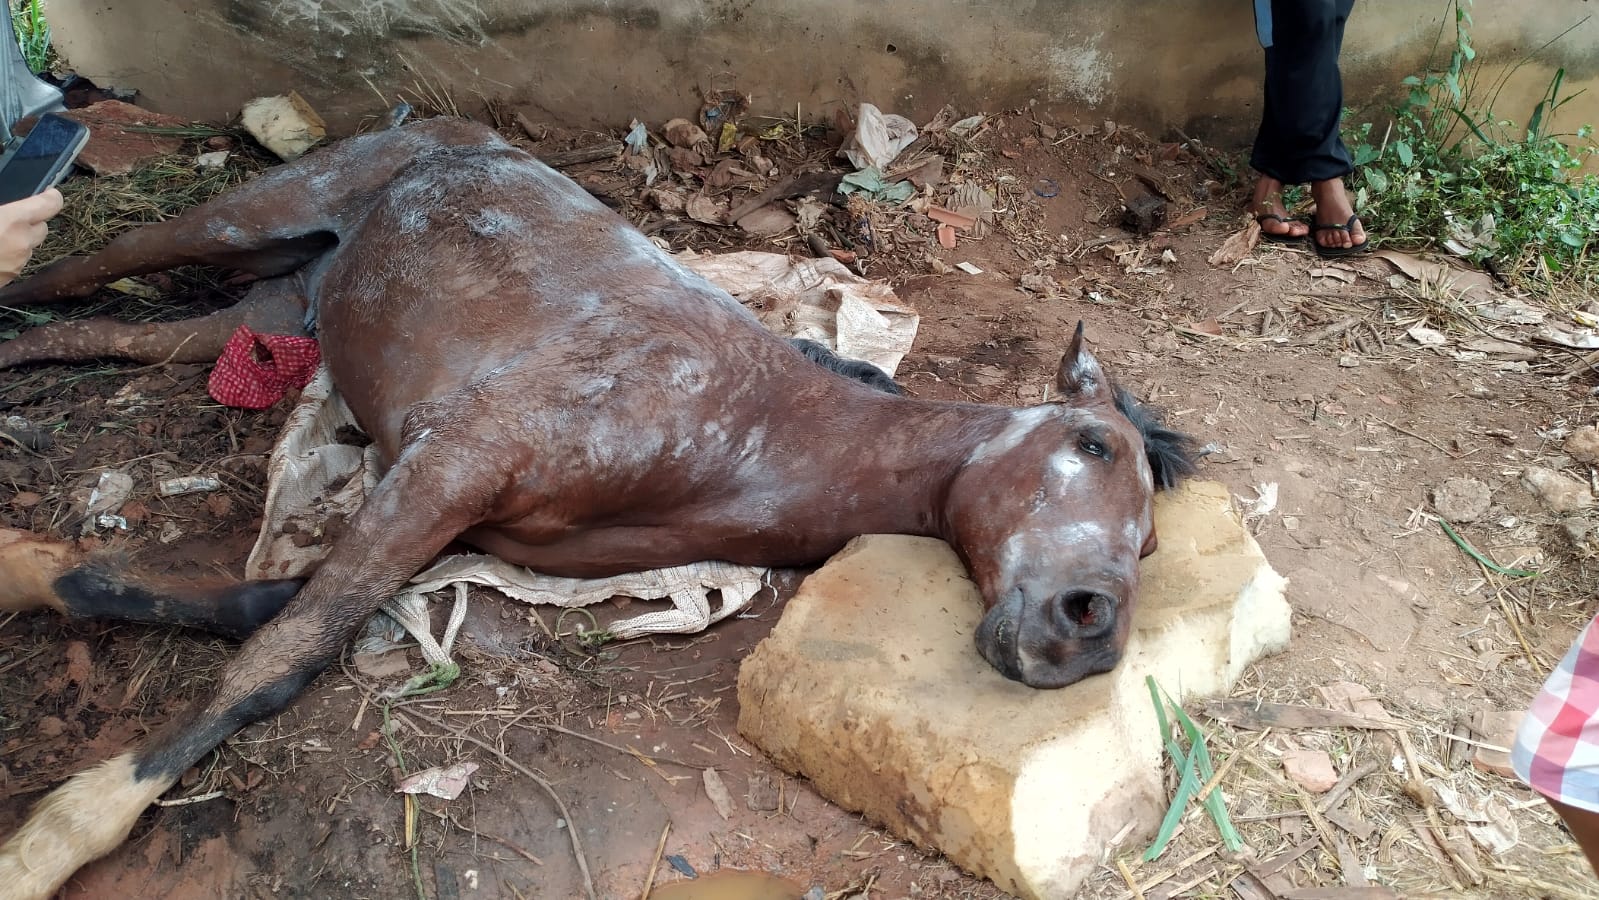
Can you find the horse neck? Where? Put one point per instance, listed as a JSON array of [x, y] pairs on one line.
[[893, 460]]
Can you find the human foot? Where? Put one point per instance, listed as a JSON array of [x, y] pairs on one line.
[[1338, 230], [1268, 209]]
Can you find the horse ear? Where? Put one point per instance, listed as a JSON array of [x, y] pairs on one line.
[[1080, 376]]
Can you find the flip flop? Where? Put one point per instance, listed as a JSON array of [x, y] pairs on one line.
[[1267, 236], [1335, 252]]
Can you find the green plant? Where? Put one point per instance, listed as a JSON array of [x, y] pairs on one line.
[[33, 34], [1448, 171]]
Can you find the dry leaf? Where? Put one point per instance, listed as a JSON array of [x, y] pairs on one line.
[[1238, 246], [1342, 273], [701, 208], [446, 783], [1188, 218], [715, 789]]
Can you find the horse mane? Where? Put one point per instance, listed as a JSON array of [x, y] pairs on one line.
[[1172, 455], [853, 369]]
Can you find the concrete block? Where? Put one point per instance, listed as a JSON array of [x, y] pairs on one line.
[[286, 125], [870, 686]]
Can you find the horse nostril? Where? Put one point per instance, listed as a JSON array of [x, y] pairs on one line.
[[1088, 614]]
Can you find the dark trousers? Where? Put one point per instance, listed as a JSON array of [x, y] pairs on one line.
[[1298, 140]]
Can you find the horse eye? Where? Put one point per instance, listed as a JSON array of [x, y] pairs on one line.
[[1091, 447]]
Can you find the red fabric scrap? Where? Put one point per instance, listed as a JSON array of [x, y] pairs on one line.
[[257, 370]]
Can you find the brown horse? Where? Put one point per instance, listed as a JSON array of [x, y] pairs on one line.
[[544, 383]]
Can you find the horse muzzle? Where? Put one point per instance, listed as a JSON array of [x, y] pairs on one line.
[[1053, 643]]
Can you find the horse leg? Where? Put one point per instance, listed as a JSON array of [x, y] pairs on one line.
[[423, 502], [271, 306], [39, 573], [269, 226]]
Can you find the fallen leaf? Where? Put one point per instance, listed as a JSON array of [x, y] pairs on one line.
[[701, 208], [26, 500], [717, 790], [1209, 326], [767, 221], [1188, 218], [1341, 273], [1427, 337], [1238, 246], [382, 665], [446, 783], [1468, 282]]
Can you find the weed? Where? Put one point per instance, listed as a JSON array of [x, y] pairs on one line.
[[1449, 171], [33, 34]]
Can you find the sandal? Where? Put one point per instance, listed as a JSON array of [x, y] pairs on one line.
[[1334, 252], [1285, 238]]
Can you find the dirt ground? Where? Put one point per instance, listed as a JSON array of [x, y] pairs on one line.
[[1292, 375]]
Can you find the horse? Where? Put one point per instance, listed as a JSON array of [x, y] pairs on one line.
[[544, 383]]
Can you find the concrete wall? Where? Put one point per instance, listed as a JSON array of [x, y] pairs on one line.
[[1152, 63]]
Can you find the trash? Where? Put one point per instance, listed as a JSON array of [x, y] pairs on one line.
[[1587, 339], [1513, 312], [946, 237], [720, 112], [1310, 769], [870, 182], [215, 159], [677, 862], [257, 370], [170, 532], [968, 268], [637, 154], [190, 484], [117, 523], [685, 134], [1558, 493], [1469, 283], [1497, 730], [285, 125], [1582, 445], [1238, 246], [1046, 188], [109, 493], [717, 791], [1039, 283], [878, 138], [972, 201], [445, 783], [923, 175], [1348, 361], [1265, 501], [968, 126], [1426, 337], [27, 434], [950, 217], [1462, 499]]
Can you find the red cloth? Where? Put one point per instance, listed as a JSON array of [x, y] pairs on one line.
[[257, 370]]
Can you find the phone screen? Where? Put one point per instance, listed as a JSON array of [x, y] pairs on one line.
[[39, 161]]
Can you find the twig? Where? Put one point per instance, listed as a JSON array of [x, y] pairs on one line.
[[185, 801], [1345, 783], [1440, 447], [1127, 876], [571, 826], [660, 848], [18, 441]]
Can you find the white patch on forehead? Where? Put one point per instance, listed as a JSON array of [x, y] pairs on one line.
[[1022, 422], [1066, 463]]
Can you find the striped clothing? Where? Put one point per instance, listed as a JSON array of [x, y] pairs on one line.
[[1557, 746]]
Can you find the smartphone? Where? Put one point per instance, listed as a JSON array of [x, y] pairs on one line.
[[43, 158]]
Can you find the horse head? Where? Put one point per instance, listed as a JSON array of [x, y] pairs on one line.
[[1052, 515]]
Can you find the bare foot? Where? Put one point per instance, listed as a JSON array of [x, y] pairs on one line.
[[1333, 208], [1268, 209]]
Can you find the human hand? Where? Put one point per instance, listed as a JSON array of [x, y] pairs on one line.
[[23, 228]]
